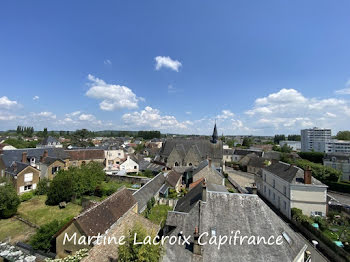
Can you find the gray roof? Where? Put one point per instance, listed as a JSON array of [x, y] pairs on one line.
[[228, 151], [186, 203], [202, 146], [226, 213], [145, 165], [244, 152], [8, 156], [216, 188], [149, 190], [290, 173], [49, 140], [258, 162], [16, 167], [49, 160]]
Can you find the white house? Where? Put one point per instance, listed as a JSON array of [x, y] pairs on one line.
[[130, 166], [287, 186]]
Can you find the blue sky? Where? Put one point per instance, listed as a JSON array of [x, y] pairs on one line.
[[258, 67]]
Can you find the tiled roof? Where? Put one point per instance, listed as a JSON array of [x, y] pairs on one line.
[[173, 177], [86, 154], [49, 160], [243, 152], [186, 203], [102, 216], [16, 167]]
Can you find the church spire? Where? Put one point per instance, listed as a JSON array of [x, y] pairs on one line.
[[214, 137]]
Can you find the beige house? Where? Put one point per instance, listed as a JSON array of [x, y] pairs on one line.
[[207, 171], [23, 176], [98, 219], [114, 157], [287, 186], [49, 166], [78, 157]]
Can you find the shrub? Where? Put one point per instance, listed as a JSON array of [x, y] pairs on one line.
[[26, 196], [43, 187], [43, 238], [316, 157], [9, 201]]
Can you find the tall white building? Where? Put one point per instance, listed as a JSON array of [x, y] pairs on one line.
[[315, 139]]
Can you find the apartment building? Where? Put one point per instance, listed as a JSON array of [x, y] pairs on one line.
[[314, 139], [340, 162], [286, 186]]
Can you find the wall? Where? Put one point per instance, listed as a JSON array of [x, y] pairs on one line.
[[19, 182]]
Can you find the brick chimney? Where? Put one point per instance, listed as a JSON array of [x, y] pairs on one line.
[[196, 247], [204, 191], [24, 157], [14, 166], [307, 175], [45, 155], [209, 162]]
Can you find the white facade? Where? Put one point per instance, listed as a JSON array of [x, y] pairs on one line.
[[130, 166], [310, 198], [295, 145], [114, 158], [337, 146], [315, 139], [341, 163]]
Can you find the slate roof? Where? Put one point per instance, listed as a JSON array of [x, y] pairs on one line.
[[258, 162], [226, 212], [49, 160], [290, 173], [149, 190], [100, 217], [244, 152], [186, 203], [48, 140], [203, 146], [86, 154], [173, 177], [16, 167], [9, 156], [228, 151]]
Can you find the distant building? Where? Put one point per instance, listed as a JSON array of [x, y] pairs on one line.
[[78, 157], [286, 186], [129, 165], [212, 212], [240, 153], [114, 157], [314, 139], [190, 152], [49, 142], [209, 172], [295, 145], [340, 162]]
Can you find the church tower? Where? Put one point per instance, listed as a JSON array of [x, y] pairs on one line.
[[214, 137]]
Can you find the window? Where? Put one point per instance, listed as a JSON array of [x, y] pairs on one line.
[[28, 177], [269, 192], [273, 183], [264, 189], [135, 167], [55, 169], [213, 232], [29, 187], [318, 213], [285, 190], [273, 196], [265, 177], [284, 205]]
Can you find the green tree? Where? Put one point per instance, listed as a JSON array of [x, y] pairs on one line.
[[279, 138], [45, 132], [43, 238], [138, 253], [294, 138], [343, 135], [247, 142], [9, 201], [43, 187]]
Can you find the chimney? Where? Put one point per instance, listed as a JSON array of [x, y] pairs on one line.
[[204, 191], [14, 166], [45, 155], [254, 189], [196, 247], [24, 157], [209, 162], [307, 175]]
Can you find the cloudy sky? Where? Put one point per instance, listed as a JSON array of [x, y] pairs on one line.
[[257, 67]]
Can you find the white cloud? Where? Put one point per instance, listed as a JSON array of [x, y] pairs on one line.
[[151, 118], [344, 91], [7, 103], [188, 113], [45, 114], [289, 111], [167, 62], [113, 96], [107, 62], [36, 98], [225, 114], [87, 117], [69, 115]]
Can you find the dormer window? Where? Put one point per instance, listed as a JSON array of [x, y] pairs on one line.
[[213, 232]]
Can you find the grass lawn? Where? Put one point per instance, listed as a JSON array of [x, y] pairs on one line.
[[38, 213], [15, 229], [159, 213]]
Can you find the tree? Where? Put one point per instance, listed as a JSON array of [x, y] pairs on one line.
[[43, 187], [343, 135], [45, 132], [294, 138], [61, 189], [43, 238], [144, 252], [279, 138], [247, 142], [9, 201]]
